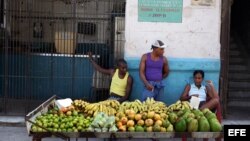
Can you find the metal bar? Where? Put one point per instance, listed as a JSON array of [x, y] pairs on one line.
[[39, 108], [60, 18], [51, 60], [74, 10], [6, 70]]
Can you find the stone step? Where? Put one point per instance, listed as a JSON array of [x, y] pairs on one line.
[[238, 94], [240, 71], [239, 79], [233, 45], [234, 53], [238, 103], [237, 68], [239, 85], [238, 75], [235, 114], [237, 63], [232, 40], [236, 60]]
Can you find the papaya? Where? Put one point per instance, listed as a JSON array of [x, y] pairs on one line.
[[215, 125], [180, 125], [186, 114], [192, 126], [180, 113], [204, 125], [172, 118], [191, 115], [197, 113], [204, 111], [210, 115], [188, 119]]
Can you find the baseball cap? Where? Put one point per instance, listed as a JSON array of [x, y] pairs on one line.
[[159, 44]]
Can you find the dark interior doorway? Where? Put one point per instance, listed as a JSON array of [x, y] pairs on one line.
[[238, 106], [240, 22]]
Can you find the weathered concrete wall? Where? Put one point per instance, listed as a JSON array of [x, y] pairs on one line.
[[192, 44], [198, 36]]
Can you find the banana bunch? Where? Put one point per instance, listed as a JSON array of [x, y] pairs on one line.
[[157, 106], [179, 105], [80, 104], [149, 101], [94, 108], [111, 103], [110, 111], [136, 105], [91, 108], [139, 107], [186, 105]]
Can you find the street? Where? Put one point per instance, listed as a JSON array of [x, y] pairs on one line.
[[8, 133]]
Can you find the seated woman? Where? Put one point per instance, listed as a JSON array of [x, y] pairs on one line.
[[207, 94]]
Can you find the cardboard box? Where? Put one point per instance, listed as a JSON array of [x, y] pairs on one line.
[[65, 42]]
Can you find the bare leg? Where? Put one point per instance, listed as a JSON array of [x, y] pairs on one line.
[[211, 104]]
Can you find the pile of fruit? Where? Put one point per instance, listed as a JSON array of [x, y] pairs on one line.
[[134, 116], [103, 123], [58, 121], [108, 107], [140, 122], [194, 121]]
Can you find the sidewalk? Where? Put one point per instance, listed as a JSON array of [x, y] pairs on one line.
[[21, 134]]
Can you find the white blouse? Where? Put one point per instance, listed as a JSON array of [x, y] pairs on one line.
[[202, 92]]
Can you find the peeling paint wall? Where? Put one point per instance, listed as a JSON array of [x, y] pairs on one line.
[[198, 36]]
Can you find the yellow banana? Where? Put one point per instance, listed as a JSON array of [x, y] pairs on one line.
[[178, 102]]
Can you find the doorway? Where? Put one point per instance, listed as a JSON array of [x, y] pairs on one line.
[[238, 69]]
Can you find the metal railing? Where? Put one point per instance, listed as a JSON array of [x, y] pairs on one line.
[[44, 45]]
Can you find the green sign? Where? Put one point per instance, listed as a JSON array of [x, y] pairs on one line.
[[160, 11]]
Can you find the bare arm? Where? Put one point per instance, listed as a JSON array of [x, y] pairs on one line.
[[211, 92], [165, 68], [99, 68], [213, 97], [128, 89], [142, 72], [184, 96]]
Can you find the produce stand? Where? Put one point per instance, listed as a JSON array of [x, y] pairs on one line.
[[43, 108]]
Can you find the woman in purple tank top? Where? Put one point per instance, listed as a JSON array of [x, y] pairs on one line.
[[153, 69]]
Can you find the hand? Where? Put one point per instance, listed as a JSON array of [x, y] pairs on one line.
[[209, 82], [90, 55], [150, 87]]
